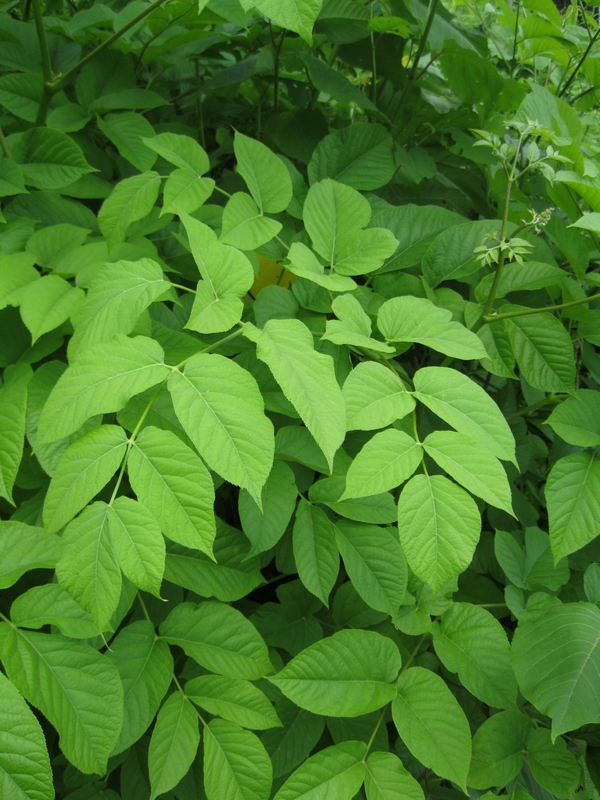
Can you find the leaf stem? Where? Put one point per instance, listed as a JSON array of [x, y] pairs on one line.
[[143, 606], [374, 734], [424, 37], [212, 346], [528, 311], [413, 655], [53, 85], [579, 63], [551, 399]]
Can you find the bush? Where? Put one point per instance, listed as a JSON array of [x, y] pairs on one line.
[[284, 282]]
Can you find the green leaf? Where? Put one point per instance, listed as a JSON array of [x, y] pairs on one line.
[[221, 409], [375, 397], [334, 83], [415, 227], [84, 469], [305, 264], [183, 151], [315, 551], [295, 15], [345, 675], [386, 779], [50, 604], [520, 277], [577, 420], [292, 745], [375, 564], [25, 770], [236, 765], [101, 381], [21, 94], [386, 461], [353, 325], [450, 256], [47, 303], [13, 409], [498, 747], [127, 131], [185, 192], [76, 688], [218, 637], [117, 295], [336, 771], [265, 174], [556, 656], [244, 226], [364, 251], [24, 547], [332, 213], [230, 578], [145, 666], [573, 498], [11, 178], [138, 543], [415, 319], [553, 766], [307, 379], [227, 275], [432, 724], [233, 699], [543, 350], [279, 494], [127, 98], [53, 246], [462, 403], [89, 568], [361, 156], [175, 486], [173, 745], [50, 159], [470, 641], [16, 273], [439, 527], [131, 200], [470, 465]]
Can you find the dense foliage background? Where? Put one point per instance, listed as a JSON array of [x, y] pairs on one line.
[[300, 400]]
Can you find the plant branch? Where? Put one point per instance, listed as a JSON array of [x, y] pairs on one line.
[[53, 85], [423, 42], [579, 63], [413, 655], [550, 400], [526, 312]]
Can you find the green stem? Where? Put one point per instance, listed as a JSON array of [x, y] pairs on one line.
[[496, 282], [374, 66], [374, 734], [514, 52], [143, 606], [222, 191], [213, 346], [424, 37], [579, 63], [526, 312], [53, 85], [551, 399], [180, 286], [4, 145], [413, 655], [41, 33]]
